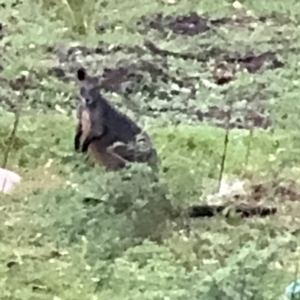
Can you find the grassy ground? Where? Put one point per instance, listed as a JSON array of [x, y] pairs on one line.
[[129, 246]]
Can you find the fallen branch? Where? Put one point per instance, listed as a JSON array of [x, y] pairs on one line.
[[245, 211], [208, 211]]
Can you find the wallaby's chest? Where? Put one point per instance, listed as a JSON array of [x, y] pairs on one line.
[[85, 123]]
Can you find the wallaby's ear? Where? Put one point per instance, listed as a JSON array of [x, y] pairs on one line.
[[81, 74]]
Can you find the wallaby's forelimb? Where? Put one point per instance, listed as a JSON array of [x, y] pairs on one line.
[[87, 142], [78, 136], [91, 138]]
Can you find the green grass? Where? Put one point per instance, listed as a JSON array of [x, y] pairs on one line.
[[132, 244]]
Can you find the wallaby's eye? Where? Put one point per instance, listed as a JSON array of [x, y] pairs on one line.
[[81, 75]]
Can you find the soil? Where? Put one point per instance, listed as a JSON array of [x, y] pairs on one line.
[[149, 70], [289, 190], [191, 24]]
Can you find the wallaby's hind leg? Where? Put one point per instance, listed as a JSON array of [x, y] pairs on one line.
[[123, 150], [111, 160], [77, 137]]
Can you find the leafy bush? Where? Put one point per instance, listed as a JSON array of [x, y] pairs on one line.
[[152, 272], [115, 210], [120, 222], [116, 229]]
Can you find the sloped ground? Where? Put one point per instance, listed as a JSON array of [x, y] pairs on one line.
[[165, 65]]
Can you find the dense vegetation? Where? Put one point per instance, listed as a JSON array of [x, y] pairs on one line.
[[180, 78]]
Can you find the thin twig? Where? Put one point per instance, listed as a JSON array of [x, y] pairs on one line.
[[224, 155], [250, 136]]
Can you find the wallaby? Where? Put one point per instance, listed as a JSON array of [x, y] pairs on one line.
[[111, 136]]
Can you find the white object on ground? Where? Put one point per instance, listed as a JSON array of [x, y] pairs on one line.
[[8, 180], [229, 189]]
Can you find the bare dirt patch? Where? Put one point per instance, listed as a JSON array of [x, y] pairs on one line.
[[191, 24], [137, 73], [153, 72], [245, 118], [283, 190], [226, 64]]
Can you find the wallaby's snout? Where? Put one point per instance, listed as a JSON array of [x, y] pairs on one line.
[[88, 86]]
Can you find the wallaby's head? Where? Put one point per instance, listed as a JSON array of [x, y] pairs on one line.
[[89, 88]]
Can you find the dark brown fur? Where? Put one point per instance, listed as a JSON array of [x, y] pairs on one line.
[[111, 137]]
